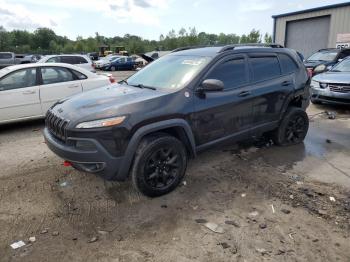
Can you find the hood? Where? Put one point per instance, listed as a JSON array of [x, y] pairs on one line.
[[102, 102], [333, 77], [315, 63]]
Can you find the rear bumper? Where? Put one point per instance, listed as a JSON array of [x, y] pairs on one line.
[[325, 95], [97, 160]]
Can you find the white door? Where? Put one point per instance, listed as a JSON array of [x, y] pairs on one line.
[[57, 83], [19, 95]]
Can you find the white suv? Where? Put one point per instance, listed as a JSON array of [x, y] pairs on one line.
[[82, 61]]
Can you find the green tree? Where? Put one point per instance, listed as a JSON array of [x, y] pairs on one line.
[[267, 38]]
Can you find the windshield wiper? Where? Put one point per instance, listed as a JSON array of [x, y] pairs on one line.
[[143, 86], [123, 81]]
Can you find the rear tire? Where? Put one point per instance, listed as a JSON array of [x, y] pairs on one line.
[[159, 165], [293, 128]]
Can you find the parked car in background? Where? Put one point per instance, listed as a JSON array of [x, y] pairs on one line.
[[324, 59], [9, 58], [180, 104], [101, 63], [120, 63], [28, 91], [93, 56], [332, 86], [82, 61]]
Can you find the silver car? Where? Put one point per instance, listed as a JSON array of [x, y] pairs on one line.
[[332, 86]]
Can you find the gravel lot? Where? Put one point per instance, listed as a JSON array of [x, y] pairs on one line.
[[271, 203]]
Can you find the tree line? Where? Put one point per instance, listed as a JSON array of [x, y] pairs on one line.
[[46, 41]]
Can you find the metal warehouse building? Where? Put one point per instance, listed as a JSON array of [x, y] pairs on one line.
[[310, 30]]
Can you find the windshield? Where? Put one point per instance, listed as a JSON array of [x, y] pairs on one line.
[[169, 72], [323, 56], [343, 66]]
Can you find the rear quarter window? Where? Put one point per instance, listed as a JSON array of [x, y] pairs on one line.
[[287, 63], [80, 60], [265, 68]]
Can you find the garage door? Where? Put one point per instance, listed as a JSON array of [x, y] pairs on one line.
[[308, 35]]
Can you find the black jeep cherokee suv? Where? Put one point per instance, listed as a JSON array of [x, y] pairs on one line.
[[149, 125]]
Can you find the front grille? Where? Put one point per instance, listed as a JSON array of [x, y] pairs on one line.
[[340, 88], [56, 125]]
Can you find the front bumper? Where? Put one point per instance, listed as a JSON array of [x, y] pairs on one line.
[[94, 160], [327, 96]]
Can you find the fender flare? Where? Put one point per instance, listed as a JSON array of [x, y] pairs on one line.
[[145, 130]]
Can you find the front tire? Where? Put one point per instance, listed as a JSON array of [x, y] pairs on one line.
[[293, 127], [159, 165], [112, 68]]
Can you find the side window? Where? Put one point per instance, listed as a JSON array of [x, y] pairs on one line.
[[129, 59], [51, 75], [18, 79], [122, 60], [79, 75], [232, 73], [55, 59], [68, 60], [287, 64], [80, 60], [265, 68]]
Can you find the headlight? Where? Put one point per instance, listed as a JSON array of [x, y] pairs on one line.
[[320, 68], [315, 84], [102, 122]]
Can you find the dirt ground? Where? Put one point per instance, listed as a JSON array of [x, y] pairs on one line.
[[269, 203]]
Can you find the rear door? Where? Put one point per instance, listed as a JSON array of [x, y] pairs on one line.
[[57, 83], [270, 85], [19, 95], [228, 112]]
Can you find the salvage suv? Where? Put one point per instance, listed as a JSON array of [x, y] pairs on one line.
[[149, 125]]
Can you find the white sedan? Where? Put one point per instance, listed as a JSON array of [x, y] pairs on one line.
[[28, 91]]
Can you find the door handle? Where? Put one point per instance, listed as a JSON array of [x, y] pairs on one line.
[[244, 93], [286, 83], [73, 86], [29, 92]]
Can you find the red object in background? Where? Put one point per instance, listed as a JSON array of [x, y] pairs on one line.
[[310, 72], [111, 79], [67, 163]]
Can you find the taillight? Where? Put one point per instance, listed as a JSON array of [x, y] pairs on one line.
[[111, 79]]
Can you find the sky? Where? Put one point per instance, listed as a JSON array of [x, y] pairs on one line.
[[147, 18]]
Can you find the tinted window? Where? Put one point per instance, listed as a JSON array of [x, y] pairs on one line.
[[129, 59], [5, 56], [122, 60], [19, 79], [51, 75], [55, 59], [80, 60], [265, 68], [68, 60], [232, 73], [287, 64]]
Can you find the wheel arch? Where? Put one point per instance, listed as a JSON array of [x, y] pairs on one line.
[[175, 127]]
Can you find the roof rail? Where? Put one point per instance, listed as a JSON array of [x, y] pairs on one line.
[[231, 47], [189, 47]]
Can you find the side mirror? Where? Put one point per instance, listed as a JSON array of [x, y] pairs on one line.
[[212, 85]]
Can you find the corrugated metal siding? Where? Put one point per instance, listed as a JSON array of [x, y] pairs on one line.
[[340, 23]]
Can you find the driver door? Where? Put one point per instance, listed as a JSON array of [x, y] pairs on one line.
[[223, 114]]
